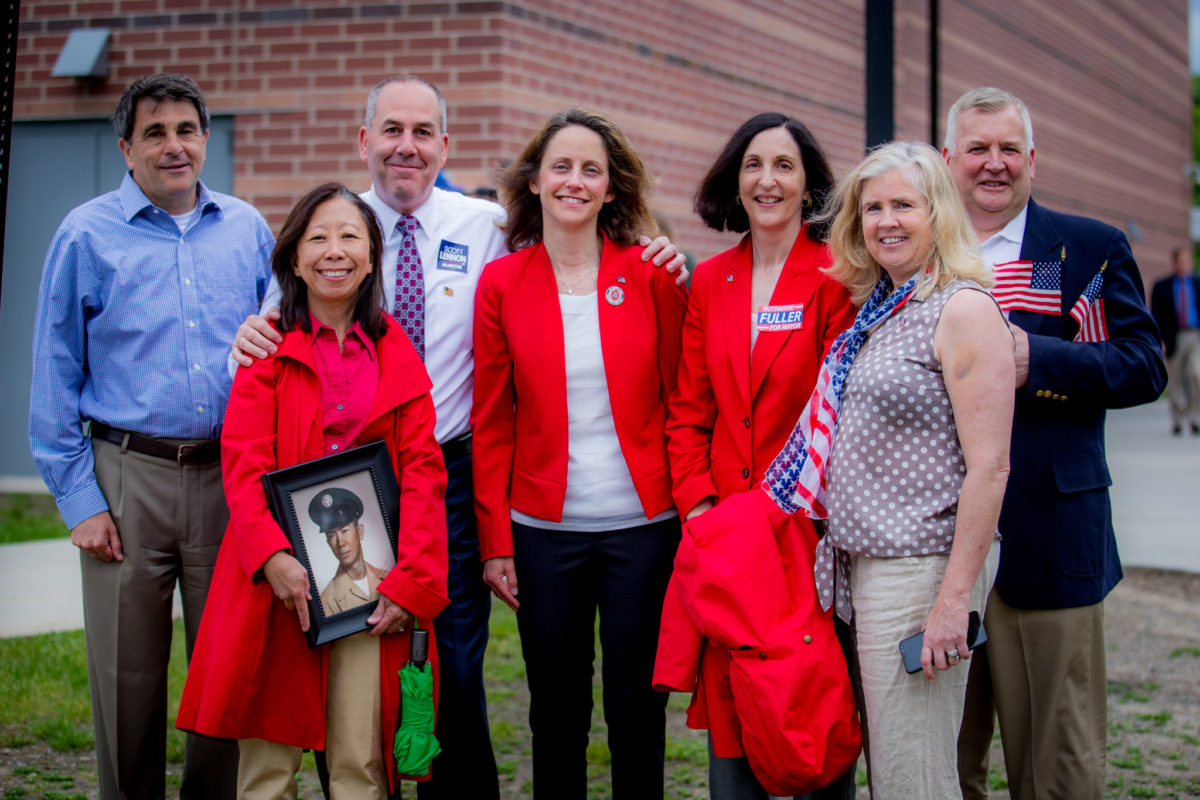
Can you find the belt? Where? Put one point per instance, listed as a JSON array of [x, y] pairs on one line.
[[198, 452], [456, 448]]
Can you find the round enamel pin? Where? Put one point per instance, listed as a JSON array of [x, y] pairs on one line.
[[615, 295]]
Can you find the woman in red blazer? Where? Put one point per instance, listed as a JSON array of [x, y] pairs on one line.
[[576, 352], [760, 318]]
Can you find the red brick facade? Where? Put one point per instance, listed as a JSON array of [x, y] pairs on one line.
[[1107, 84]]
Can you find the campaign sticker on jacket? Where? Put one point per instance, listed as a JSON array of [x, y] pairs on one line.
[[779, 318], [452, 256]]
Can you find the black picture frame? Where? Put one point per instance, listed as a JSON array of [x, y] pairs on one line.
[[365, 472]]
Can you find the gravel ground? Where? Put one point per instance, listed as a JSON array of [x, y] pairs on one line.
[[1153, 638]]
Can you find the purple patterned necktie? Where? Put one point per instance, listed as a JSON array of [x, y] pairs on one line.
[[410, 285]]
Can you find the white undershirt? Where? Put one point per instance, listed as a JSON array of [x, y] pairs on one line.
[[184, 220]]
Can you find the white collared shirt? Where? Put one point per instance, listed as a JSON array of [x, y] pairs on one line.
[[458, 235], [1005, 245]]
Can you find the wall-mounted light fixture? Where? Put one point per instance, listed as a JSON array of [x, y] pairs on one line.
[[85, 55]]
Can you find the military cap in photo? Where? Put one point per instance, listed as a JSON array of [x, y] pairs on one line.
[[333, 508]]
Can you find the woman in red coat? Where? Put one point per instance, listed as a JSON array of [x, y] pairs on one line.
[[760, 318], [576, 350], [345, 374]]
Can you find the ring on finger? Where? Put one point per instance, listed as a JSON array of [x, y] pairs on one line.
[[952, 654]]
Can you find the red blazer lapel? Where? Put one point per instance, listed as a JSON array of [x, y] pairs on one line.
[[403, 379], [298, 392], [795, 286], [732, 304]]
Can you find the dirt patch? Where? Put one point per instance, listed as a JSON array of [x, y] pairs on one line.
[[1152, 634]]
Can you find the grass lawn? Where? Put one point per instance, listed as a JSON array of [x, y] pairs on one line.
[[44, 701], [44, 697], [28, 517]]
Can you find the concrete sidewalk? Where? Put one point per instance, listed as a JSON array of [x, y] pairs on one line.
[[40, 590], [1155, 497], [1156, 489]]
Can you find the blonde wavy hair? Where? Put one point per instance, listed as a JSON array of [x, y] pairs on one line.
[[955, 250]]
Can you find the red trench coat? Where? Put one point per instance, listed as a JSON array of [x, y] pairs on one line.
[[252, 674], [743, 585]]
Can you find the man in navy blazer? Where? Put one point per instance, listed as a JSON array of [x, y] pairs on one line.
[[1175, 304], [1043, 667]]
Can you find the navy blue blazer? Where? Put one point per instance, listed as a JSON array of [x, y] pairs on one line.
[[1058, 549], [1162, 306]]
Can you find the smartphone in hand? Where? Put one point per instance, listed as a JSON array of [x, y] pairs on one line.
[[910, 647]]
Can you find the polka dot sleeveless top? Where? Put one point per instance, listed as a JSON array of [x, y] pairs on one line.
[[897, 468]]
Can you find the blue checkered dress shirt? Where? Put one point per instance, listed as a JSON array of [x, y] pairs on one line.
[[133, 328]]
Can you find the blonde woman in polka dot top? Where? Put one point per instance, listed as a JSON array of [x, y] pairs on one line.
[[919, 460]]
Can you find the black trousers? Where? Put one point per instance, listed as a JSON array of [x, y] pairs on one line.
[[564, 579], [466, 767]]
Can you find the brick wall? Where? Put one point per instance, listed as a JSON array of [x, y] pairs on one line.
[[1107, 85]]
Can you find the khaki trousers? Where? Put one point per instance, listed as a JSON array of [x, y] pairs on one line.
[[912, 724], [1183, 378], [1044, 673], [170, 519], [353, 744]]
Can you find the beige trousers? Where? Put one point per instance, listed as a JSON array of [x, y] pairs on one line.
[[1183, 378], [1045, 675], [912, 724], [353, 745]]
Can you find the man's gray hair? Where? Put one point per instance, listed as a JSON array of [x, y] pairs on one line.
[[373, 97], [987, 99]]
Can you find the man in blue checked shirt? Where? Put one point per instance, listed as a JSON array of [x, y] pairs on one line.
[[142, 291]]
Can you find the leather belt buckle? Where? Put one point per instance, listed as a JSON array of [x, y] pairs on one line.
[[193, 454]]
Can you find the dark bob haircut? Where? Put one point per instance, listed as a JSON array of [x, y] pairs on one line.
[[293, 306], [716, 198], [160, 87], [623, 219]]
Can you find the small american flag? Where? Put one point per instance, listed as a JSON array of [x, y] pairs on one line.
[[1029, 286], [1088, 311]]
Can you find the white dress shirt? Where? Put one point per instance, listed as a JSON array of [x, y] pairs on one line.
[[458, 235], [1005, 245]]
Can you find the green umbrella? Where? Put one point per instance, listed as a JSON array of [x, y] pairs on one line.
[[415, 744]]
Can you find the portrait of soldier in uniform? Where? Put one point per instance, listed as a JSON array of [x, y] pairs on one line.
[[337, 513]]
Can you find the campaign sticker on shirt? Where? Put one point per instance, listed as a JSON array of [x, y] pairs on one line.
[[779, 318], [452, 257]]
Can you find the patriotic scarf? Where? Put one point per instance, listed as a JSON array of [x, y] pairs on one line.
[[796, 478]]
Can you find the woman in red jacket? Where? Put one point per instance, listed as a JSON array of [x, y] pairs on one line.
[[345, 374], [760, 318], [576, 350]]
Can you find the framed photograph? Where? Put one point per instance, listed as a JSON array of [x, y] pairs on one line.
[[340, 514]]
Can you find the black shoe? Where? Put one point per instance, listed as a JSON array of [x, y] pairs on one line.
[[1176, 430], [1195, 429]]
